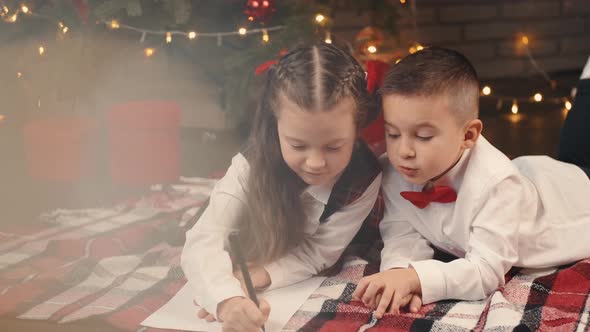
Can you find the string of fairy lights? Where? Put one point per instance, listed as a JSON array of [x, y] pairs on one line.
[[537, 97], [12, 16]]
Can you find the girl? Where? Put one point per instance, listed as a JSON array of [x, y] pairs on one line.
[[298, 194]]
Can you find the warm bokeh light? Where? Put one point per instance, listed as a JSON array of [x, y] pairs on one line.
[[328, 39], [514, 108], [149, 52]]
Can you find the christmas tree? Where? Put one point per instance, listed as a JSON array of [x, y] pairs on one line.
[[228, 61], [228, 58]]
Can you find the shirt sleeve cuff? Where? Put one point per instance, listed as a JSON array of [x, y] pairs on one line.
[[388, 264], [220, 294], [277, 275], [432, 280]]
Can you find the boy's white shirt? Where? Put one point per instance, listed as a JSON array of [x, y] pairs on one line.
[[586, 70], [206, 261], [529, 212]]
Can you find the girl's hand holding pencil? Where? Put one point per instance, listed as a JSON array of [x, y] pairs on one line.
[[240, 314], [260, 280], [243, 314]]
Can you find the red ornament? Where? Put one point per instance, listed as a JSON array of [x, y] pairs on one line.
[[259, 10], [82, 9]]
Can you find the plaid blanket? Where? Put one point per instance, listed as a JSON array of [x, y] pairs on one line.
[[116, 266], [531, 300]]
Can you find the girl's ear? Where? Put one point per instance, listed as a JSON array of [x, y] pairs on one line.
[[471, 133]]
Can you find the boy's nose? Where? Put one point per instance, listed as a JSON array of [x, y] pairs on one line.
[[406, 150]]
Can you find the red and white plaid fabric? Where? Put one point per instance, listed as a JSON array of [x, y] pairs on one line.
[[530, 300], [114, 267]]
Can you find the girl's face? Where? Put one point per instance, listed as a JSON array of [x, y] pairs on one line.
[[317, 146]]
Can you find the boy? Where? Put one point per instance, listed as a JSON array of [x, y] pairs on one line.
[[447, 187]]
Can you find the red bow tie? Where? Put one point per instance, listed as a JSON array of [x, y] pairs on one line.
[[440, 194]]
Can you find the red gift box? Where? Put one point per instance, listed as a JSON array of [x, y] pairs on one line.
[[144, 142], [60, 149]]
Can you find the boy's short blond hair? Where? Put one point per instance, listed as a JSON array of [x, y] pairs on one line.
[[436, 71]]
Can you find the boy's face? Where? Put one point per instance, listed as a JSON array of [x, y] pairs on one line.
[[424, 137]]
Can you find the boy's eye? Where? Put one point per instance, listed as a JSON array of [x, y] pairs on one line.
[[298, 147], [424, 138], [333, 148]]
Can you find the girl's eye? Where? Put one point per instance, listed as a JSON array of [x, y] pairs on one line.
[[393, 136], [333, 148], [298, 147]]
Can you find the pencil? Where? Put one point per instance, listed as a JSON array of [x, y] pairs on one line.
[[236, 251]]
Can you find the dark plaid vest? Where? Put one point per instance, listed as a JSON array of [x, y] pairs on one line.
[[357, 177]]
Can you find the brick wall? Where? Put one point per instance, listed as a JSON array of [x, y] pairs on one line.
[[488, 32]]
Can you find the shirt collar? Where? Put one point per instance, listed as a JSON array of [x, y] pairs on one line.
[[321, 193], [453, 177]]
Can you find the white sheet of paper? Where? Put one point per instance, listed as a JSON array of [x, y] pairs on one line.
[[180, 313]]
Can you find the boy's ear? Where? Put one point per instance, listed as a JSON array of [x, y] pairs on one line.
[[472, 131]]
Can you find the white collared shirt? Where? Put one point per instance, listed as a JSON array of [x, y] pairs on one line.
[[206, 261], [529, 212], [586, 70]]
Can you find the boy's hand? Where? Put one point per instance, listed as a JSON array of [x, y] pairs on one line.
[[240, 314], [413, 302], [259, 275], [393, 288]]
